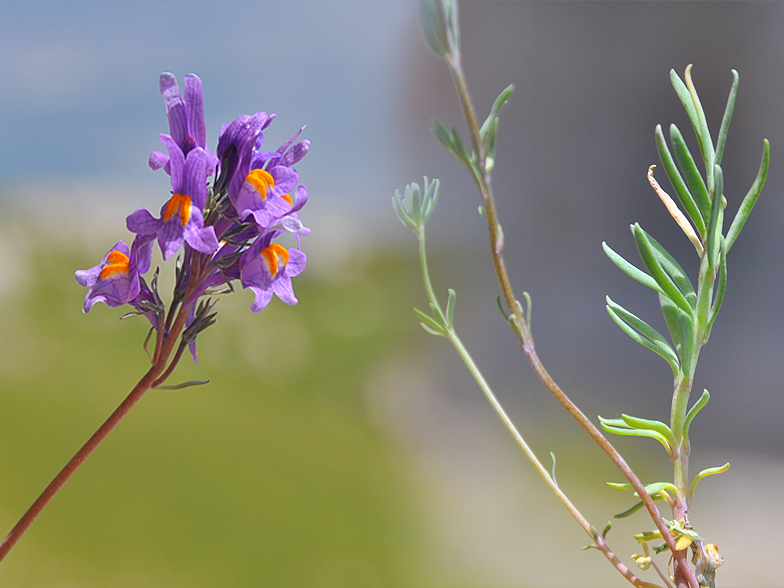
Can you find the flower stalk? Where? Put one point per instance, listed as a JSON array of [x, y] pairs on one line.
[[228, 230]]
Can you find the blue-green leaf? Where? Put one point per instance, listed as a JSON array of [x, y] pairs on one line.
[[500, 102], [686, 325], [612, 426], [649, 259], [687, 200], [631, 270], [704, 473], [703, 134], [635, 508], [690, 173], [443, 136], [725, 121], [450, 308], [721, 286], [643, 333], [685, 97], [671, 312], [716, 216], [431, 325], [750, 199], [657, 426], [698, 406], [674, 269]]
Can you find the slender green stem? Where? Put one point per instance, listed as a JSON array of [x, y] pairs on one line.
[[599, 540], [519, 325]]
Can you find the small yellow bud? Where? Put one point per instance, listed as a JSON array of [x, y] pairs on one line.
[[643, 562], [683, 542]]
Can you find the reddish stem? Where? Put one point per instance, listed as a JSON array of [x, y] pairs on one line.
[[153, 376]]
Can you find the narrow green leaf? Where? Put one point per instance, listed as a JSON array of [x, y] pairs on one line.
[[442, 135], [431, 198], [703, 134], [636, 433], [674, 269], [714, 224], [632, 510], [643, 333], [671, 312], [450, 308], [657, 487], [528, 304], [685, 97], [490, 147], [704, 473], [619, 422], [183, 385], [501, 308], [631, 270], [750, 199], [462, 154], [401, 213], [607, 528], [725, 121], [437, 314], [657, 426], [414, 200], [460, 149], [698, 406], [499, 103], [691, 174], [552, 456], [430, 324], [721, 286], [436, 332], [666, 285], [688, 201], [686, 325]]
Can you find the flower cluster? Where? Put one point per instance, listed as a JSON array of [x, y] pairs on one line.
[[225, 214]]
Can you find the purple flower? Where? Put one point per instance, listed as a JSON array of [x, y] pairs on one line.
[[186, 120], [262, 184], [115, 281], [181, 216], [267, 268], [235, 145]]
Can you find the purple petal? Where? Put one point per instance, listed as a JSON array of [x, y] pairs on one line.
[[262, 299], [170, 237], [88, 277], [194, 181], [176, 162], [203, 240], [300, 198], [282, 287], [296, 153], [194, 98], [296, 264], [142, 222], [285, 179], [175, 107], [158, 160]]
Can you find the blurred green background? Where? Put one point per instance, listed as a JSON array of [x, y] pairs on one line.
[[270, 475], [337, 444]]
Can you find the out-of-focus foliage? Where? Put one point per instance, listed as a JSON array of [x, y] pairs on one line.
[[270, 475]]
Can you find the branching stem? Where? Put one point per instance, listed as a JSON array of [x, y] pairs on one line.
[[519, 325]]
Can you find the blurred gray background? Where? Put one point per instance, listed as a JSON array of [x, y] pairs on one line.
[[80, 112]]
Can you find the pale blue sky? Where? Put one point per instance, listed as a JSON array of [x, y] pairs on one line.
[[80, 100]]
